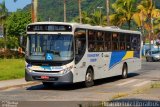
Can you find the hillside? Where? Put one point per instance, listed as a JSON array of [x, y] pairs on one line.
[[53, 9]]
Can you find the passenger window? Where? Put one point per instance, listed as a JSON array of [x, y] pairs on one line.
[[108, 39], [128, 42], [115, 41], [91, 41], [135, 42], [122, 41], [99, 36], [95, 41]]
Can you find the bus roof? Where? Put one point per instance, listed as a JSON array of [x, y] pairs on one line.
[[88, 26]]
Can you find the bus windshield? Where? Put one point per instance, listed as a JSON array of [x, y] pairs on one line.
[[50, 47]]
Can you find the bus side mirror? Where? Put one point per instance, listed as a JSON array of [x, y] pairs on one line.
[[21, 40]]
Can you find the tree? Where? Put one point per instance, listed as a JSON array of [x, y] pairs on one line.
[[34, 10], [149, 12], [85, 18], [16, 23], [123, 12], [96, 16], [93, 18], [3, 17]]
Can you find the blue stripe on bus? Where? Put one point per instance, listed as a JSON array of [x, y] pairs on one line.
[[119, 56], [116, 57]]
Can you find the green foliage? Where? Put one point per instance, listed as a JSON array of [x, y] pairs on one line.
[[124, 10], [53, 9], [2, 42], [16, 23], [85, 18], [3, 13], [12, 42]]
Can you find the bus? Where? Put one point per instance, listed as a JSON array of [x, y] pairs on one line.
[[60, 52]]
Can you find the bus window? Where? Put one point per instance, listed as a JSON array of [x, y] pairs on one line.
[[128, 47], [122, 46], [100, 46], [115, 46], [128, 37], [108, 40], [99, 36], [128, 42], [91, 35], [99, 41], [80, 44], [135, 40], [91, 41], [115, 41], [91, 46], [122, 41], [107, 46]]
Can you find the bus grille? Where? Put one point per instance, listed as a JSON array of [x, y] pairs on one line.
[[47, 71]]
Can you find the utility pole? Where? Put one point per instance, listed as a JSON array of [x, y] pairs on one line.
[[34, 10], [65, 17], [107, 9], [80, 12], [150, 32]]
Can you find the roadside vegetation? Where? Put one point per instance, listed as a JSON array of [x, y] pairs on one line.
[[11, 69], [155, 85]]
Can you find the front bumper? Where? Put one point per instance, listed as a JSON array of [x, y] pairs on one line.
[[34, 76], [156, 58]]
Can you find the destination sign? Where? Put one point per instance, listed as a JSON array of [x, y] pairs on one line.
[[49, 28]]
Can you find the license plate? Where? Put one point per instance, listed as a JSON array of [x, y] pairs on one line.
[[45, 77]]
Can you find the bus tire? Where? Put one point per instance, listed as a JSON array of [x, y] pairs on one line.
[[124, 71], [89, 78], [47, 84]]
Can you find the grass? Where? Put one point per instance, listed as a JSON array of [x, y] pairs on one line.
[[119, 95], [142, 90], [155, 85], [11, 69]]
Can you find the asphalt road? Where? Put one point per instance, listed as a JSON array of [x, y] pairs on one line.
[[103, 90]]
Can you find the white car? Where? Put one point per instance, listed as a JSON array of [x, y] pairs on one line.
[[153, 55]]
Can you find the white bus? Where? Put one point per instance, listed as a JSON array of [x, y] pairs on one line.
[[72, 52]]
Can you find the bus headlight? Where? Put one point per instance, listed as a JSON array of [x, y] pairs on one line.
[[28, 67], [64, 71], [29, 70]]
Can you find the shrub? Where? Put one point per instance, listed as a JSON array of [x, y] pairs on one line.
[[7, 53]]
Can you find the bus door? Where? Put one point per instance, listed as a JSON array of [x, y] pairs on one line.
[[80, 49]]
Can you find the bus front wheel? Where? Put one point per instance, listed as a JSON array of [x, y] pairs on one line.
[[124, 71], [89, 78]]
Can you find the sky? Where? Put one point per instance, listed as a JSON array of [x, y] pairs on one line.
[[13, 6]]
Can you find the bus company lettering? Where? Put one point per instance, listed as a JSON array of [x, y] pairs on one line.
[[93, 57]]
